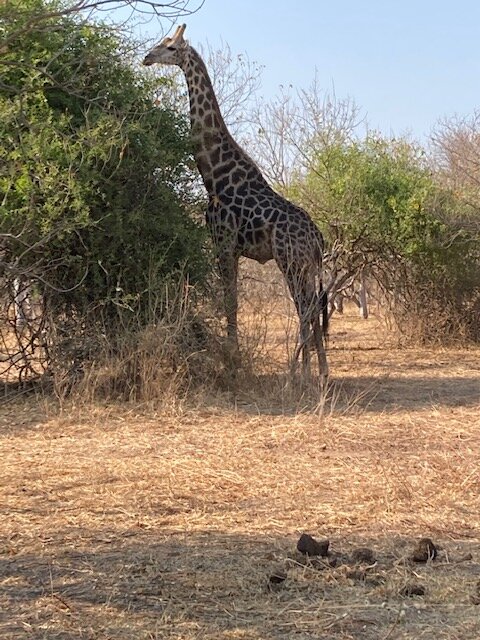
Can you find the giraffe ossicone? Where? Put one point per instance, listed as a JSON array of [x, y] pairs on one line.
[[246, 217]]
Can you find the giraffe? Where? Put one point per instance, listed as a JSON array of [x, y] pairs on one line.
[[245, 216]]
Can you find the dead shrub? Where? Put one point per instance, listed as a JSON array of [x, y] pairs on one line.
[[438, 315], [138, 362]]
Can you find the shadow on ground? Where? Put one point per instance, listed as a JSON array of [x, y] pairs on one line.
[[279, 394], [378, 393], [149, 584]]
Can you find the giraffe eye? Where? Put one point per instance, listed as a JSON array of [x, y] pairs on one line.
[[171, 48]]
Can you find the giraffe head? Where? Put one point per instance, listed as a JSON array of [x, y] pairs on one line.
[[169, 51]]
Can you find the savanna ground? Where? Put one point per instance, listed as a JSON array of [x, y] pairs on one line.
[[125, 521]]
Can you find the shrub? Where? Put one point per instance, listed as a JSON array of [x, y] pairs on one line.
[[97, 208]]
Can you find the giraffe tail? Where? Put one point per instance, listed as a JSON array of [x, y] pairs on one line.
[[323, 298]]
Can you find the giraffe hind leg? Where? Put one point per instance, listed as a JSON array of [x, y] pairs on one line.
[[311, 334], [304, 342], [304, 337], [321, 352]]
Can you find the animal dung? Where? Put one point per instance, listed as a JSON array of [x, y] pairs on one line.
[[363, 555], [412, 589], [424, 551], [311, 547], [278, 576]]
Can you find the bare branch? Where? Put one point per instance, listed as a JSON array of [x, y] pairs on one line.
[[86, 9], [287, 133]]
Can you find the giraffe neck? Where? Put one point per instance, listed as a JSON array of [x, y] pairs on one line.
[[209, 131]]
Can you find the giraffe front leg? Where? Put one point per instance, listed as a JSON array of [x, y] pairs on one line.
[[228, 266]]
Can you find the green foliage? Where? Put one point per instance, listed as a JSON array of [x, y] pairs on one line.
[[95, 180], [382, 202], [375, 189]]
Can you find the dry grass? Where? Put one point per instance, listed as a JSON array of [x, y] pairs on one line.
[[125, 523]]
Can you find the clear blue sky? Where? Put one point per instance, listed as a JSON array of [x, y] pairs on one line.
[[406, 63]]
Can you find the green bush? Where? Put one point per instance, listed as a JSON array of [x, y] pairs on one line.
[[95, 181], [384, 205]]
